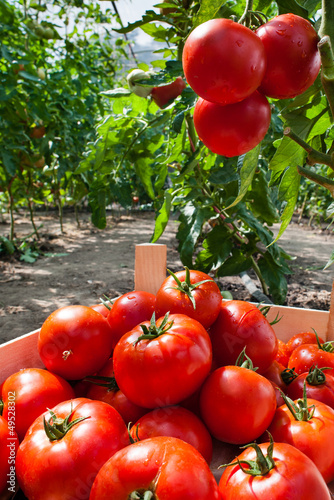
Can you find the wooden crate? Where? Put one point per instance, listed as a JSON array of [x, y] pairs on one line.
[[150, 270]]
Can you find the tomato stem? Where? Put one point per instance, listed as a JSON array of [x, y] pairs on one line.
[[313, 156], [57, 429], [316, 375], [245, 18], [327, 69], [154, 331], [299, 409], [108, 382], [186, 286]]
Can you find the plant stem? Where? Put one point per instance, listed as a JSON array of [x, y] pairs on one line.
[[31, 213], [259, 275], [245, 17], [11, 211], [327, 71], [319, 179], [313, 156], [327, 20]]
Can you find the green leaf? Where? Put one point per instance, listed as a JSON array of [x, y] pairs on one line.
[[287, 6], [288, 191], [261, 202], [9, 163], [274, 275], [217, 247], [208, 10], [7, 245], [330, 262], [148, 17], [288, 154], [192, 218], [162, 218], [237, 263], [249, 166], [28, 76], [144, 170]]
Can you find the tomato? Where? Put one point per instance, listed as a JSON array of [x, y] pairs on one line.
[[283, 353], [168, 467], [241, 324], [302, 338], [128, 311], [34, 390], [65, 464], [274, 373], [318, 384], [162, 363], [69, 337], [293, 59], [189, 292], [8, 446], [223, 61], [174, 421], [165, 94], [101, 308], [307, 355], [233, 129], [103, 387], [308, 425], [237, 404], [287, 473]]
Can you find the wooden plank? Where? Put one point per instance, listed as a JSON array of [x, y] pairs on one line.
[[330, 330], [150, 266], [19, 353]]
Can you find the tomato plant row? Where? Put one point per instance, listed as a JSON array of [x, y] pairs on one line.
[[136, 391]]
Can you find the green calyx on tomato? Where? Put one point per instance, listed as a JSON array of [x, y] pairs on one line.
[[265, 309], [186, 286], [288, 375], [154, 331], [263, 463], [56, 430], [145, 495], [108, 382], [301, 410], [1, 407], [244, 361], [326, 346], [316, 375]]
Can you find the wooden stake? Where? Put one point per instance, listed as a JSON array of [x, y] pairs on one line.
[[150, 266], [330, 331]]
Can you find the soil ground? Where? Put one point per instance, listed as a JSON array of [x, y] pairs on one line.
[[87, 263]]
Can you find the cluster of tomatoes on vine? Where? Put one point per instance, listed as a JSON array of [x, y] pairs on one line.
[[136, 392]]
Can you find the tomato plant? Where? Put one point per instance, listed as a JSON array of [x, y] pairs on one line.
[[151, 359], [223, 61], [241, 324], [65, 448], [161, 467], [103, 387], [233, 129], [279, 467], [34, 391], [237, 404], [174, 421], [128, 311], [308, 425], [189, 292], [293, 59], [69, 336]]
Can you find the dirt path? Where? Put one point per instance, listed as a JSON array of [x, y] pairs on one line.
[[88, 263]]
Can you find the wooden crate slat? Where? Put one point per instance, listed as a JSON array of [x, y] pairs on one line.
[[19, 353]]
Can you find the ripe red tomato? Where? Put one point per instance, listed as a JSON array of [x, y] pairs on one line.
[[33, 390], [307, 355], [233, 129], [318, 385], [237, 404], [103, 387], [302, 338], [151, 362], [283, 353], [223, 61], [74, 341], [274, 373], [101, 308], [174, 421], [128, 311], [168, 467], [165, 94], [294, 477], [293, 59], [8, 447], [241, 324], [311, 432], [189, 292], [66, 465]]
